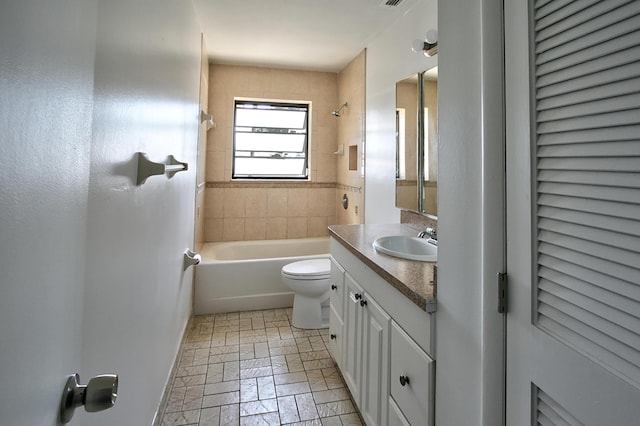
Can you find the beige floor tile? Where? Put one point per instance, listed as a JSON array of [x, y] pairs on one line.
[[181, 418], [268, 419], [254, 368], [306, 407], [219, 399], [222, 387], [292, 389], [258, 407], [288, 409], [230, 415], [210, 417], [335, 408], [248, 390], [283, 379], [331, 395], [266, 387]]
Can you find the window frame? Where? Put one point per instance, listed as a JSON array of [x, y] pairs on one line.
[[306, 176]]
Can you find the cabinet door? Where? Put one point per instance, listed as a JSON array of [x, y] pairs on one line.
[[352, 345], [336, 333], [396, 418], [375, 362], [337, 287], [412, 378]]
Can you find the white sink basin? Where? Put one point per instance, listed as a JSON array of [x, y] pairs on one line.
[[404, 247]]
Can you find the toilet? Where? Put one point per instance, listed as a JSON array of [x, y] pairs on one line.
[[309, 281]]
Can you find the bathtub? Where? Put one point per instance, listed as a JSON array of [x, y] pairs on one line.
[[245, 275]]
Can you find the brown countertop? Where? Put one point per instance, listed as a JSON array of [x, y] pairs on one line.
[[415, 279]]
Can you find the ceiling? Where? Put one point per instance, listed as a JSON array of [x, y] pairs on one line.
[[320, 35]]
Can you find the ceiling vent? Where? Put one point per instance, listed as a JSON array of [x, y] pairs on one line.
[[390, 3]]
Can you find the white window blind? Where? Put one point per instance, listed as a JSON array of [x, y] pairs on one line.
[[587, 175]]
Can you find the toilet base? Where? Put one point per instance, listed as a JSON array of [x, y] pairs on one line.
[[309, 314]]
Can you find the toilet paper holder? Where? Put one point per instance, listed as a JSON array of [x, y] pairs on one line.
[[97, 395], [191, 258]]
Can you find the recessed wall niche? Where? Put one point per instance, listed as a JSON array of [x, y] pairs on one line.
[[353, 157]]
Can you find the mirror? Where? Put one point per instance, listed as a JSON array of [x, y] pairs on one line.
[[417, 143]]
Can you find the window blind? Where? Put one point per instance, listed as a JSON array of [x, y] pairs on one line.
[[586, 91]]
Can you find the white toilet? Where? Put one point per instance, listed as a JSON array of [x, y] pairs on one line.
[[309, 280]]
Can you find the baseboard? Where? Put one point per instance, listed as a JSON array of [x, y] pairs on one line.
[[157, 418]]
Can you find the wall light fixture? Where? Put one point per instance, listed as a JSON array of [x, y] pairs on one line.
[[428, 46]]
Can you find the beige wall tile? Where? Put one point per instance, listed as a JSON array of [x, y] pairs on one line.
[[233, 229], [318, 203], [255, 202], [286, 212], [214, 203], [277, 202], [297, 202], [255, 228], [276, 228], [215, 166], [297, 227], [317, 227], [213, 229], [234, 203]]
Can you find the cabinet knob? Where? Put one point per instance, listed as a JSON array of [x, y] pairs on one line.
[[363, 302], [333, 337], [333, 287], [357, 296], [404, 380]]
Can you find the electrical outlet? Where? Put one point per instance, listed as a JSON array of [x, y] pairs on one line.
[[356, 207]]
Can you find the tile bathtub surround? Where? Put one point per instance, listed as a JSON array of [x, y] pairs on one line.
[[254, 368]]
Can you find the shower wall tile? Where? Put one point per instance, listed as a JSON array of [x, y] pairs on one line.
[[297, 227], [251, 210], [255, 228], [276, 228]]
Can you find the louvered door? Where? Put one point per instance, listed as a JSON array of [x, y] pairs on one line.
[[573, 215]]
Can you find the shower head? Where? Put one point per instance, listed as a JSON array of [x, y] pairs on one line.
[[336, 113]]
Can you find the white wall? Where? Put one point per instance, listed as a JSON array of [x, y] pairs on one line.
[[470, 190], [390, 59], [46, 82], [137, 298], [469, 330], [91, 264]]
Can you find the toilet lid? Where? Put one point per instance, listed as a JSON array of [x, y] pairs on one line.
[[316, 268]]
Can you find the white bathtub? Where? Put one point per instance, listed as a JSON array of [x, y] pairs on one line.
[[245, 275]]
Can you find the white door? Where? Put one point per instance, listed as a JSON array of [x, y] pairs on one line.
[[573, 215], [46, 64]]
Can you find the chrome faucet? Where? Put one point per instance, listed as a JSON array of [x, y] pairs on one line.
[[431, 232]]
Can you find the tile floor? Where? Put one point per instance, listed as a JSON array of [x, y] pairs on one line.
[[254, 368]]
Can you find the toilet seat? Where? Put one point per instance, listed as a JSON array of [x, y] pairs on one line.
[[314, 269]]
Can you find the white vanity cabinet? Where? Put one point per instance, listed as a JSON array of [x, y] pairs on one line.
[[384, 336], [336, 323], [412, 379]]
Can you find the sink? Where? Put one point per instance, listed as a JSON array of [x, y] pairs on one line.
[[412, 248]]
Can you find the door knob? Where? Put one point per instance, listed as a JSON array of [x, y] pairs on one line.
[[99, 394], [404, 380]]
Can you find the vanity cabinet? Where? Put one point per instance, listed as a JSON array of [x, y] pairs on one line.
[[383, 336], [412, 378], [336, 323], [366, 352]]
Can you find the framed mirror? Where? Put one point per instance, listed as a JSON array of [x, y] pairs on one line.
[[417, 143]]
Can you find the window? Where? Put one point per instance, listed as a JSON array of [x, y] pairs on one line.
[[270, 140]]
